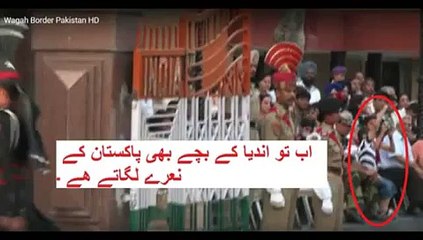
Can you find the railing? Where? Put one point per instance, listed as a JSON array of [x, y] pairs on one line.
[[203, 61], [170, 60]]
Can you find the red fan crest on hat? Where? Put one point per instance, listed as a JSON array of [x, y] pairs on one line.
[[284, 56], [8, 72]]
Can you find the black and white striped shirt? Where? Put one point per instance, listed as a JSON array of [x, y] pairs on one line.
[[367, 154]]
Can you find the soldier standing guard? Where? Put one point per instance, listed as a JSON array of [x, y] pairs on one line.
[[20, 143], [23, 106], [279, 214], [328, 115]]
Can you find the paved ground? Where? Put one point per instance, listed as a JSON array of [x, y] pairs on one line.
[[401, 223]]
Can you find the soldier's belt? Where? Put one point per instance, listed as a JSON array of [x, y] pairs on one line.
[[335, 170]]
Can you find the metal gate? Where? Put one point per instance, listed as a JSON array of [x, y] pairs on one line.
[[196, 73]]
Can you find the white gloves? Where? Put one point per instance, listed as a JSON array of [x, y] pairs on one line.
[[276, 197], [325, 194], [327, 206]]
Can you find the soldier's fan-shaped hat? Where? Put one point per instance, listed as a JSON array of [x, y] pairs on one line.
[[7, 71], [285, 58], [12, 28], [11, 33]]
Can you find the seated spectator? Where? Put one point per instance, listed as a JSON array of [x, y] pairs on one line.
[[392, 167], [360, 77], [367, 158], [418, 156], [390, 91], [355, 103], [355, 87], [343, 128], [307, 79], [338, 84], [404, 102], [408, 125], [413, 111], [368, 87]]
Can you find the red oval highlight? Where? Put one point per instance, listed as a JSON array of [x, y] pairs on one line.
[[404, 186]]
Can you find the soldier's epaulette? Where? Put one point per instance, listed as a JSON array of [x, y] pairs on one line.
[[284, 118], [276, 126], [332, 136], [322, 133]]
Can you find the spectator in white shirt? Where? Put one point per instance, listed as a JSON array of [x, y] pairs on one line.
[[392, 167], [308, 74]]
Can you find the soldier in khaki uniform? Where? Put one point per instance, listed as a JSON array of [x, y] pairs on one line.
[[329, 115], [302, 106], [343, 128], [279, 205]]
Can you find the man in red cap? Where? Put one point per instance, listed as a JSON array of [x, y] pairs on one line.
[[279, 205]]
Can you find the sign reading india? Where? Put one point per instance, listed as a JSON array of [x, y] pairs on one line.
[[191, 164]]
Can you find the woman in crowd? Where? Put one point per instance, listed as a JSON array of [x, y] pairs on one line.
[[265, 106]]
